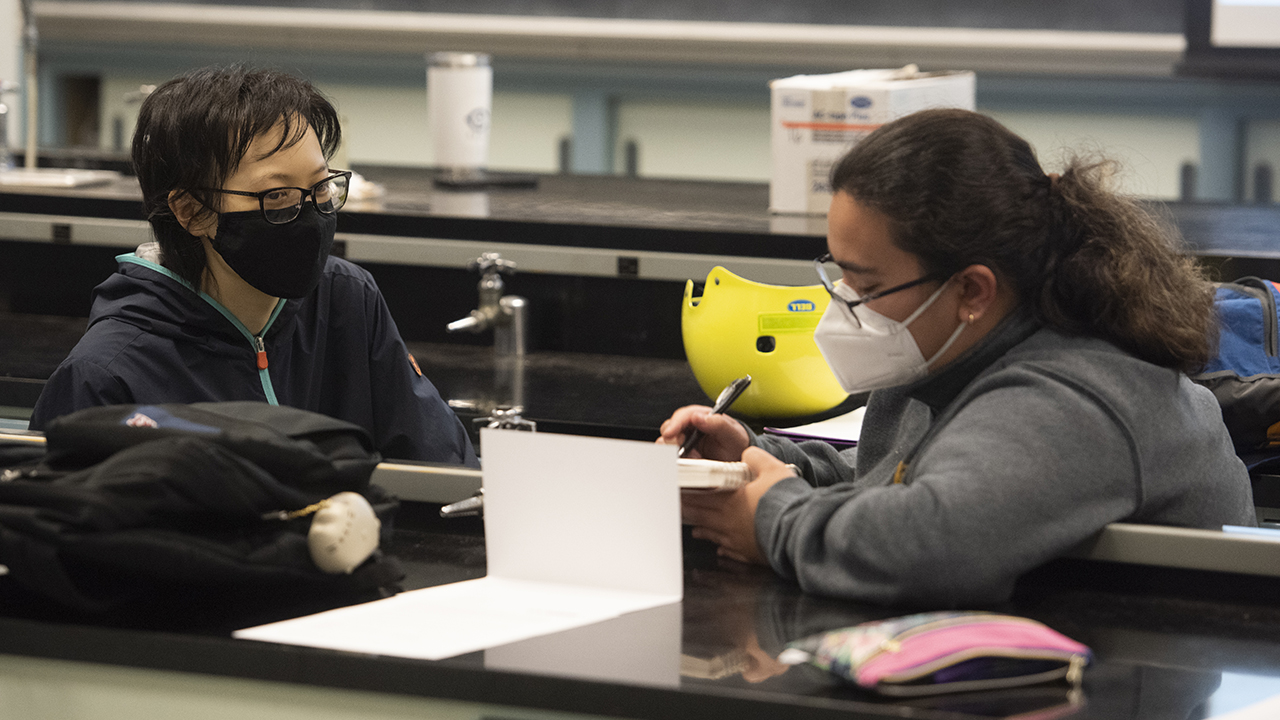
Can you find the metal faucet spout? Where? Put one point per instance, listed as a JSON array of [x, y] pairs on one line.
[[467, 324], [477, 321], [506, 314]]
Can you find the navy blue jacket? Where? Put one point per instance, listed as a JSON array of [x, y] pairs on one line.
[[153, 339]]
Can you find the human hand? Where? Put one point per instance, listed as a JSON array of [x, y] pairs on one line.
[[723, 438], [729, 519], [760, 665]]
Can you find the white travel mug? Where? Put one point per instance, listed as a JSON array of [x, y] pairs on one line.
[[459, 102]]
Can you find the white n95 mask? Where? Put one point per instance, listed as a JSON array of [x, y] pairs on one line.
[[880, 354]]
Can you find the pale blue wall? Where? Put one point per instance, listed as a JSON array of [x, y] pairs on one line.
[[707, 122]]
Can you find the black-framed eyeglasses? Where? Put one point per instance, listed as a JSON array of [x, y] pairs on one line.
[[280, 206], [831, 288]]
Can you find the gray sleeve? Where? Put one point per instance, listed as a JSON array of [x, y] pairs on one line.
[[820, 464], [1019, 475]]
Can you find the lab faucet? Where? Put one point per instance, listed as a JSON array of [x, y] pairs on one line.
[[506, 314]]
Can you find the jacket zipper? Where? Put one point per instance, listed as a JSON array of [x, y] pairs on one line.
[[256, 341], [259, 346], [260, 356], [262, 352]]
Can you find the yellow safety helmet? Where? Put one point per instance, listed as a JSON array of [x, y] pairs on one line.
[[739, 327]]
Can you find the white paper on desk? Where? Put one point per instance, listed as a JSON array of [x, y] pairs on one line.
[[577, 530], [448, 620], [845, 428], [1268, 709], [636, 648]]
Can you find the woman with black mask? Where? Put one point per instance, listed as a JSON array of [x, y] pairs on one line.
[[239, 298], [1025, 337]]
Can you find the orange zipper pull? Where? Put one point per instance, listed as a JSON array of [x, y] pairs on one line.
[[262, 353]]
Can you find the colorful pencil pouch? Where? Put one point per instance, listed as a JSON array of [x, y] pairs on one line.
[[941, 652]]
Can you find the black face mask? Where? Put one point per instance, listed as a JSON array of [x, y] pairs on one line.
[[280, 260]]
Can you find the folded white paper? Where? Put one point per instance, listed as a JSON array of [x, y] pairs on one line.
[[440, 622], [586, 511], [577, 530], [636, 648]]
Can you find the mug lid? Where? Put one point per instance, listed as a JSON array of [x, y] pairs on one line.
[[457, 59]]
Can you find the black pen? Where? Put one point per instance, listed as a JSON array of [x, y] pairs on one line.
[[727, 396]]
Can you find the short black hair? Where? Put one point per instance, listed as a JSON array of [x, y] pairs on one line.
[[193, 132]]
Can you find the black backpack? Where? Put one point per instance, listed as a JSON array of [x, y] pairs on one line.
[[179, 507]]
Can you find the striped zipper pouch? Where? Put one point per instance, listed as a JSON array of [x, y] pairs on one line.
[[941, 652]]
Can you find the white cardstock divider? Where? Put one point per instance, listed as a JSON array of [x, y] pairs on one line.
[[577, 530]]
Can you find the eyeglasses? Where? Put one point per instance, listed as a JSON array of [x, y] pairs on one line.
[[831, 288], [280, 206]]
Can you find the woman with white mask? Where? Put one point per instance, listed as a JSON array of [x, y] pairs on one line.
[[1026, 337]]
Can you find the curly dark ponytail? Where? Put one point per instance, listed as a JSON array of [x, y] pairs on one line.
[[961, 189]]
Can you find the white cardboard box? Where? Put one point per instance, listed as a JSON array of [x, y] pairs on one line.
[[817, 118]]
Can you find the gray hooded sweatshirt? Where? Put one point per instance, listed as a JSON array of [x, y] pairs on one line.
[[1008, 457]]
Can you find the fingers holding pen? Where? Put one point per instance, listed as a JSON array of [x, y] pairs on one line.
[[675, 429], [723, 437]]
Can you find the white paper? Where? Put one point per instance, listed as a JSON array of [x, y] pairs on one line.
[[577, 530], [448, 620], [635, 648], [1268, 709], [844, 428], [582, 511]]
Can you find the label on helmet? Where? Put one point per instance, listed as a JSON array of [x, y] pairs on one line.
[[771, 323]]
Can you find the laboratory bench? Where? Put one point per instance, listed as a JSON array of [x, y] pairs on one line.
[[1169, 642], [1167, 645]]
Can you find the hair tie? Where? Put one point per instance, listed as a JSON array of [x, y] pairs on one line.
[[1053, 181]]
